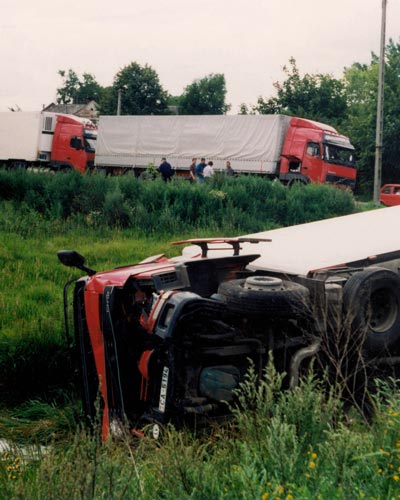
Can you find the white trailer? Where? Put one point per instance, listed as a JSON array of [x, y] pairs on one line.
[[252, 143], [361, 239], [26, 136]]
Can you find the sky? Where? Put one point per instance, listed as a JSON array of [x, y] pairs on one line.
[[249, 41]]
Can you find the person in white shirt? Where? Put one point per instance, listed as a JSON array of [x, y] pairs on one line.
[[208, 170]]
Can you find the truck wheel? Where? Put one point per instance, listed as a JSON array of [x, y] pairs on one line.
[[265, 295], [371, 301]]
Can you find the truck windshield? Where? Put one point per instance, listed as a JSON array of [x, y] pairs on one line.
[[90, 137], [338, 155]]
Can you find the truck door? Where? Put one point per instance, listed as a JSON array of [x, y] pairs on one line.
[[312, 166], [68, 147]]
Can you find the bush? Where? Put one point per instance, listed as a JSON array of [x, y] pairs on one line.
[[245, 204]]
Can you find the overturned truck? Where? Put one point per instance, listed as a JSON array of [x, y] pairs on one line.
[[170, 339]]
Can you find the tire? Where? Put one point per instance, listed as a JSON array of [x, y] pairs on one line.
[[264, 295], [371, 301], [297, 182]]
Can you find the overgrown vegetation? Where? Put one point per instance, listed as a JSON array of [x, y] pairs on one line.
[[286, 445], [232, 206]]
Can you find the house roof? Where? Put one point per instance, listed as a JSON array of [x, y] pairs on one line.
[[89, 110]]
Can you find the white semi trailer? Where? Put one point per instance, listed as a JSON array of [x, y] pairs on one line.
[[288, 148]]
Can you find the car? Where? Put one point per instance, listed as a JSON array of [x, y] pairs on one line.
[[390, 195], [171, 339]]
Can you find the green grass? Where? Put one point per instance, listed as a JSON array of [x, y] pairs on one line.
[[280, 445], [35, 358]]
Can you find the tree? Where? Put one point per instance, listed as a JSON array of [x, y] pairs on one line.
[[205, 96], [77, 91], [361, 82], [318, 97], [140, 90]]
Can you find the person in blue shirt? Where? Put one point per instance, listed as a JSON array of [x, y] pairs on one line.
[[200, 169]]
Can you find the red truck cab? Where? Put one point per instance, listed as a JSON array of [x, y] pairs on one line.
[[73, 143], [315, 152]]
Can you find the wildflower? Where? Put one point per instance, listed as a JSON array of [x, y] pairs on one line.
[[235, 467], [281, 489], [314, 456], [312, 464], [395, 414], [289, 497], [264, 496], [396, 478], [380, 471]]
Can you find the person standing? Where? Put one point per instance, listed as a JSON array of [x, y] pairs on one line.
[[208, 170], [193, 170], [200, 170], [165, 170], [229, 170]]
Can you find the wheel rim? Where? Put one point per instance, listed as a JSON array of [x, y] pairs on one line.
[[263, 283], [384, 310]]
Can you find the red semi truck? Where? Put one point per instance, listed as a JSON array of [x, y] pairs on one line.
[[170, 339], [288, 148], [44, 139]]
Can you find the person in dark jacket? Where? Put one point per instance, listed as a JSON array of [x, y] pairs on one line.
[[165, 170], [229, 170], [200, 169], [192, 170]]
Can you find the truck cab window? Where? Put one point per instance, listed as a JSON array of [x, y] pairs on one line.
[[76, 143], [338, 155], [90, 137], [90, 144], [313, 149]]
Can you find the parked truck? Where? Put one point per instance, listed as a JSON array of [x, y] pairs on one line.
[[170, 339], [288, 148], [44, 139]]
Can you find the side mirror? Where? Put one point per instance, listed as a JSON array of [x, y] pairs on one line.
[[71, 258]]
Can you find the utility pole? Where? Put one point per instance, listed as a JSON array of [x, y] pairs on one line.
[[119, 102], [379, 111]]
